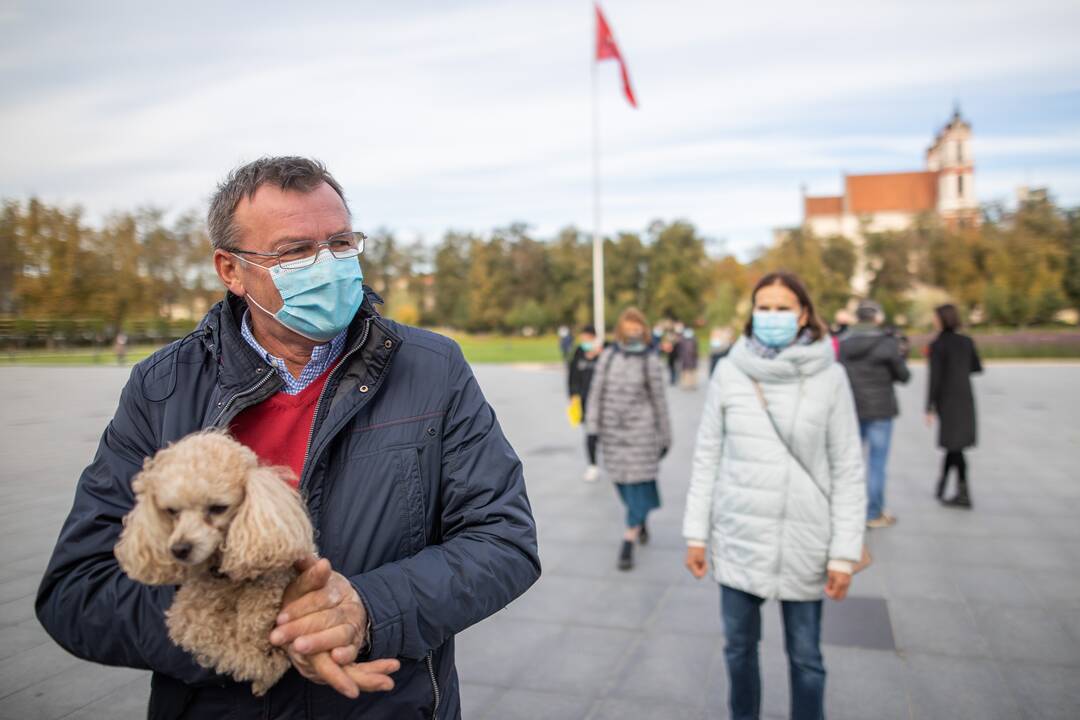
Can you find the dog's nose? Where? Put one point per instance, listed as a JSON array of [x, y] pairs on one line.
[[181, 551]]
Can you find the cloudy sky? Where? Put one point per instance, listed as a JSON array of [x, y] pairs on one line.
[[472, 115]]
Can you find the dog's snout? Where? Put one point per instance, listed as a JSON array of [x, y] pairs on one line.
[[181, 551]]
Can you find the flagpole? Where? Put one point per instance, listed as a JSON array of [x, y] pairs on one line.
[[598, 243]]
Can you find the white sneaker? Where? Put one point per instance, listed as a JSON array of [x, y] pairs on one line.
[[592, 474]]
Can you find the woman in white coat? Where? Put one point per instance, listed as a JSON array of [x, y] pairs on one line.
[[777, 495]]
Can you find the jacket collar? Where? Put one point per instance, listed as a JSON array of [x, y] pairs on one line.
[[238, 363]]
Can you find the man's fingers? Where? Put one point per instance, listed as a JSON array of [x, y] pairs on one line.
[[385, 666], [314, 578], [326, 640], [321, 599], [371, 680], [335, 676], [345, 655], [307, 625]]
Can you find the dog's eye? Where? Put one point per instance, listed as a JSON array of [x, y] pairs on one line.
[[217, 509], [173, 512]]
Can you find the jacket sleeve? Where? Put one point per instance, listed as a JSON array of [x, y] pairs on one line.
[[937, 371], [897, 365], [85, 601], [658, 393], [593, 411], [976, 362], [488, 554], [705, 467], [573, 379], [847, 497]]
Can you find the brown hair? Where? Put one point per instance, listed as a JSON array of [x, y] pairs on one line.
[[949, 316], [629, 315], [792, 282]]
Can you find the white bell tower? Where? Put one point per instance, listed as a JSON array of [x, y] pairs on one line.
[[951, 157]]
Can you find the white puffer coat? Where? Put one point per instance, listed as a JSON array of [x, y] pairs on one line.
[[770, 530]]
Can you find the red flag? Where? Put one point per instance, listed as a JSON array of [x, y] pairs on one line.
[[607, 49]]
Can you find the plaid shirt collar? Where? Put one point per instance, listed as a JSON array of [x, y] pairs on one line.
[[322, 357]]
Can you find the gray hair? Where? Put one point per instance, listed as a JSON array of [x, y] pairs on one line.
[[286, 172]]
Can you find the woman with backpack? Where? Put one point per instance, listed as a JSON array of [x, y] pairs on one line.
[[627, 415], [777, 496]]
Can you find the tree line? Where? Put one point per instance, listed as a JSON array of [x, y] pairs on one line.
[[138, 270]]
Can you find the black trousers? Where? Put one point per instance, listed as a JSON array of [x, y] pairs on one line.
[[955, 459]]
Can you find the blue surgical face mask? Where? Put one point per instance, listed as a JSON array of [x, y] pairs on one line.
[[777, 329], [587, 346], [320, 299], [635, 344]]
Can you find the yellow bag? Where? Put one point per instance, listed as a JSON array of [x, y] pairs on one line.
[[573, 411]]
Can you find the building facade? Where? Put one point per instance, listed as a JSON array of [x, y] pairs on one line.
[[885, 202]]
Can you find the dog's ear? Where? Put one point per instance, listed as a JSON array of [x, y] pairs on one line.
[[271, 529], [143, 548]]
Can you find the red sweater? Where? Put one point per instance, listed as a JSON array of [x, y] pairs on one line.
[[277, 429]]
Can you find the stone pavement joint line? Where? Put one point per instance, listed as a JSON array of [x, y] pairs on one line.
[[963, 615]]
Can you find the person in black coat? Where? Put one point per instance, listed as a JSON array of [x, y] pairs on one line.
[[953, 359], [582, 365]]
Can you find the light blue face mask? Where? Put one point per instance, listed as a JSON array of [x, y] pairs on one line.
[[777, 329], [320, 299]]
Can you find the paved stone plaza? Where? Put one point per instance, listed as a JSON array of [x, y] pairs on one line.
[[964, 615]]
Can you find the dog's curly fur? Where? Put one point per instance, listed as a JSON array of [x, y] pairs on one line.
[[227, 530]]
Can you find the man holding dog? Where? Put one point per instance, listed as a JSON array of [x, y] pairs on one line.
[[418, 501]]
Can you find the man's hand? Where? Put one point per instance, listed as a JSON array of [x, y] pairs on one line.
[[929, 419], [695, 561], [322, 627], [837, 585]]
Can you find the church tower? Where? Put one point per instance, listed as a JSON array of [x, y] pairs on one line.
[[950, 157]]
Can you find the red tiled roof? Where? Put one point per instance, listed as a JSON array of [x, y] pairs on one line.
[[904, 192], [822, 205]]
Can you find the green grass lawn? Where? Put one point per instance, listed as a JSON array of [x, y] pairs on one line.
[[477, 349], [545, 349], [78, 356]]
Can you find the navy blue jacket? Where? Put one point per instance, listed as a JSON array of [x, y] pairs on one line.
[[415, 494]]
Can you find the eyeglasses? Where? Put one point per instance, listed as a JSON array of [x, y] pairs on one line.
[[304, 253]]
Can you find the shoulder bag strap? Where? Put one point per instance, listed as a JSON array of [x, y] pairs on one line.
[[783, 439], [603, 387]]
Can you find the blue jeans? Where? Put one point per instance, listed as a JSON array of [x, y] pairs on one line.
[[877, 434], [802, 636]]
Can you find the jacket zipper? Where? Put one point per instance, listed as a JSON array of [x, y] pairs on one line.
[[787, 489], [434, 685], [322, 393], [237, 396]]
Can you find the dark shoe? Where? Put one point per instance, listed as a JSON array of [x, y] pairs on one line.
[[960, 500], [626, 555], [643, 536], [940, 494]]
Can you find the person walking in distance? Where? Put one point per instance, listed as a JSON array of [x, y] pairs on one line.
[[874, 361], [953, 359], [777, 493], [581, 368], [628, 416], [686, 351]]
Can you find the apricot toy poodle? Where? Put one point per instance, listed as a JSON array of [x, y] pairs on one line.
[[227, 530]]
